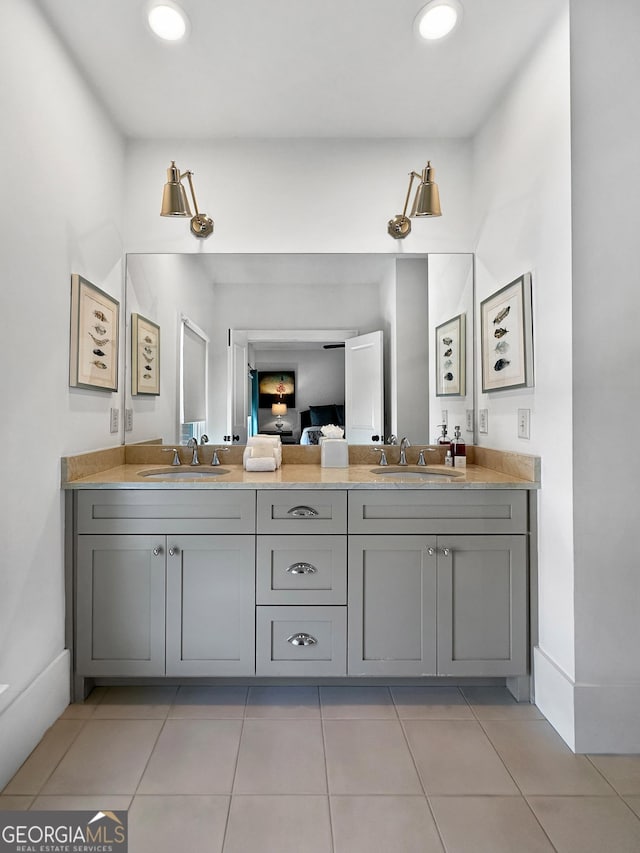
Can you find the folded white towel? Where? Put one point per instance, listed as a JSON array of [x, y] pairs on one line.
[[273, 442], [260, 463], [262, 448]]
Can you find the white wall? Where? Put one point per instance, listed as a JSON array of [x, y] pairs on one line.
[[522, 212], [62, 166], [606, 378], [299, 195]]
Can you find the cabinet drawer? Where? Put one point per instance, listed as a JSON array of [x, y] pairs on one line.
[[302, 511], [301, 641], [438, 511], [165, 511], [301, 570]]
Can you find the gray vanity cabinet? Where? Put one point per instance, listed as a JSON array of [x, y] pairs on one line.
[[440, 588], [482, 605], [160, 587], [120, 605], [392, 605]]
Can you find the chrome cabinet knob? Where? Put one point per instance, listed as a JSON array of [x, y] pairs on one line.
[[302, 569], [446, 551], [174, 550], [157, 550], [431, 551], [302, 639]]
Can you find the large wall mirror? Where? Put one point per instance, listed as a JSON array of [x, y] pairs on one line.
[[291, 314]]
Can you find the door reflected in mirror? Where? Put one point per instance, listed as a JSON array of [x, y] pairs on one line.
[[404, 298]]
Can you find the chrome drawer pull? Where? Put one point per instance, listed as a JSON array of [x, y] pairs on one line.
[[302, 640], [303, 512], [302, 569]]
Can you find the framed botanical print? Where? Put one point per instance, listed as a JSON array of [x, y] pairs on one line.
[[450, 340], [145, 356], [93, 350], [506, 335]]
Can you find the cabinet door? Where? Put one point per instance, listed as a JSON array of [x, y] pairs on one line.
[[120, 605], [210, 605], [392, 605], [482, 605]]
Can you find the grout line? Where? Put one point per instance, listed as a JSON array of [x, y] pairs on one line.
[[424, 791], [326, 775], [235, 772], [57, 764]]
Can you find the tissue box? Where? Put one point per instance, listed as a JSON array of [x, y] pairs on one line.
[[334, 453]]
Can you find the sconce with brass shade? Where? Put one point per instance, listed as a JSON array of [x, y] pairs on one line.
[[176, 203], [425, 203]]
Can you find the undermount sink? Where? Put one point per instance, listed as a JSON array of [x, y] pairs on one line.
[[184, 473], [415, 472]]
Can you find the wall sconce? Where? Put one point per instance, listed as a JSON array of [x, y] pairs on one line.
[[279, 409], [176, 203], [426, 203]]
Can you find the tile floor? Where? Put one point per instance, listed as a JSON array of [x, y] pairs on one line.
[[344, 769]]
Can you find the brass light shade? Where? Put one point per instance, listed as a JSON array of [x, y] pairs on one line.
[[174, 197], [426, 203], [176, 203], [427, 200]]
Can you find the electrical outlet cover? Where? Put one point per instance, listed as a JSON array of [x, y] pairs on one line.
[[469, 419], [524, 423], [483, 421], [114, 420], [444, 417]]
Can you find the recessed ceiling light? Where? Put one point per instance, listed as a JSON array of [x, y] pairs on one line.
[[438, 19], [167, 21]]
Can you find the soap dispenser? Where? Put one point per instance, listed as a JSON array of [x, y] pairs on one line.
[[458, 449], [442, 438]]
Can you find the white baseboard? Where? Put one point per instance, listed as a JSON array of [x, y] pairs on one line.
[[31, 713], [608, 718], [554, 692]]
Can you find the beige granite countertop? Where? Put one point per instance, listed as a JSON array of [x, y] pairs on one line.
[[123, 468]]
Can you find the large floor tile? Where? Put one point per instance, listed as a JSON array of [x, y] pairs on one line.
[[15, 803], [136, 702], [201, 701], [45, 757], [84, 710], [176, 824], [632, 802], [456, 757], [369, 757], [97, 802], [365, 824], [622, 771], [296, 702], [107, 757], [278, 825], [281, 757], [488, 825], [541, 762], [353, 702], [193, 757], [588, 824], [496, 703], [431, 703]]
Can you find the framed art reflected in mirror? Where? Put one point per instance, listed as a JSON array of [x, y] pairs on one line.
[[450, 340], [506, 337], [145, 356]]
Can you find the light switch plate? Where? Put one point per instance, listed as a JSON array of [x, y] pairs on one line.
[[114, 420], [524, 423], [469, 419], [483, 421], [128, 420], [444, 417]]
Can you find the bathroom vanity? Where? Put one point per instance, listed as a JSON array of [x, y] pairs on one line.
[[305, 572]]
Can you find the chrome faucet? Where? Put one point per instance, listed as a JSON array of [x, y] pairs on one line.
[[193, 442], [404, 443], [214, 459]]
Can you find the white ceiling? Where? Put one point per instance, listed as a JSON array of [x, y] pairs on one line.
[[298, 68]]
